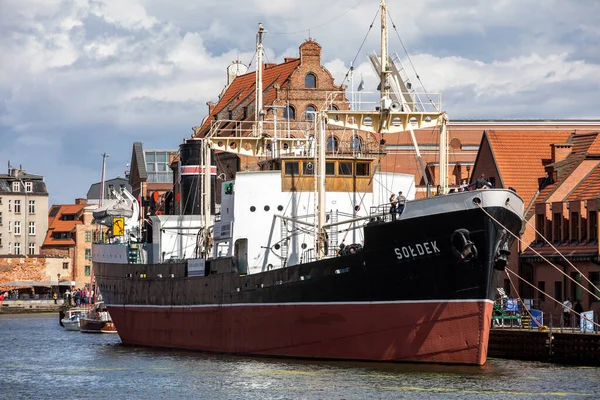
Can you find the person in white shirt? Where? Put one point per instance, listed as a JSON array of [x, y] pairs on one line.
[[567, 305]]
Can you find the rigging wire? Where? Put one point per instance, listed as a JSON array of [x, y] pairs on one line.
[[411, 63], [360, 48], [320, 25]]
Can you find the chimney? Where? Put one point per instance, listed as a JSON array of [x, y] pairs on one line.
[[80, 201], [560, 151], [269, 65], [289, 59]]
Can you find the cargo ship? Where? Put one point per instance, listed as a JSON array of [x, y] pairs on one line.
[[303, 257]]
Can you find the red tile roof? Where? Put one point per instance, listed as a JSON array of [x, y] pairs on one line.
[[57, 224], [243, 87], [521, 157]]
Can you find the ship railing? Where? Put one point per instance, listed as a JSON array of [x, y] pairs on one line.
[[370, 101]]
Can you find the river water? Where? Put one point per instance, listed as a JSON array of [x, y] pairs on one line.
[[41, 360]]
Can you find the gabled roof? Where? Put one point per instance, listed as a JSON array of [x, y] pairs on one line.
[[138, 161], [243, 87], [521, 157], [57, 224]]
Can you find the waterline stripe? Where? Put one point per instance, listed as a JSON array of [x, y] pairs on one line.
[[333, 303]]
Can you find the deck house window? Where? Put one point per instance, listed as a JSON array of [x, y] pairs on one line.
[[345, 168], [329, 168], [308, 168], [574, 227], [362, 169], [292, 168]]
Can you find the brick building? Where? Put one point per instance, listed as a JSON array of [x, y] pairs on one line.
[[555, 171], [70, 236]]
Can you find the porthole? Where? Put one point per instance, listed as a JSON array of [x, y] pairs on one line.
[[252, 208], [267, 208], [303, 246], [277, 246], [279, 208], [357, 208]]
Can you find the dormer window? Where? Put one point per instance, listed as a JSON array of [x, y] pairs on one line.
[[28, 187], [310, 81], [15, 186]]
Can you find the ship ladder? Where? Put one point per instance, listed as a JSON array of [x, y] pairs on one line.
[[284, 242], [333, 238]]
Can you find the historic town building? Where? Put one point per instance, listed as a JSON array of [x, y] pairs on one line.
[[23, 212]]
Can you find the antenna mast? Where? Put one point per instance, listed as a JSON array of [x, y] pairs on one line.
[[258, 112]]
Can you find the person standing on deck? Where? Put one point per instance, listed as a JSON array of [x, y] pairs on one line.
[[401, 203], [393, 206]]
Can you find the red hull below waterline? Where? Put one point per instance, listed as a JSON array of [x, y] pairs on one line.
[[422, 331]]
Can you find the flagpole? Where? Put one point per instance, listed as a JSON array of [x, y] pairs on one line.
[[351, 86]]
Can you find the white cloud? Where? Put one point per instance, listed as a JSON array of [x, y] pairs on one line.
[[82, 77]]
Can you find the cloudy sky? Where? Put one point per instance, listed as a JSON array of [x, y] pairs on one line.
[[82, 77]]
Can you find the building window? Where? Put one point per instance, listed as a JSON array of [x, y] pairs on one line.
[[356, 143], [61, 235], [88, 270], [558, 291], [88, 254], [244, 112], [32, 228], [0, 201], [17, 206], [542, 288], [558, 237], [28, 187], [289, 112], [310, 81], [0, 239], [31, 206], [17, 248], [540, 224], [31, 249], [595, 282], [9, 248], [66, 265], [0, 219], [9, 226], [88, 236], [15, 186], [593, 232], [309, 113], [9, 205], [17, 227], [332, 144], [157, 167], [574, 226]]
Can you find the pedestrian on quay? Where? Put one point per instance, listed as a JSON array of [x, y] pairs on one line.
[[55, 297], [567, 305]]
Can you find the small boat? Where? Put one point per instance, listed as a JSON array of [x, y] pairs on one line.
[[71, 323], [97, 321]]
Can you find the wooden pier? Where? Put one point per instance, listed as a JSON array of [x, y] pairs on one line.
[[565, 346]]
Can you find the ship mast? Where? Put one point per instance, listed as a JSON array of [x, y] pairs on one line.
[[258, 107], [385, 69]]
